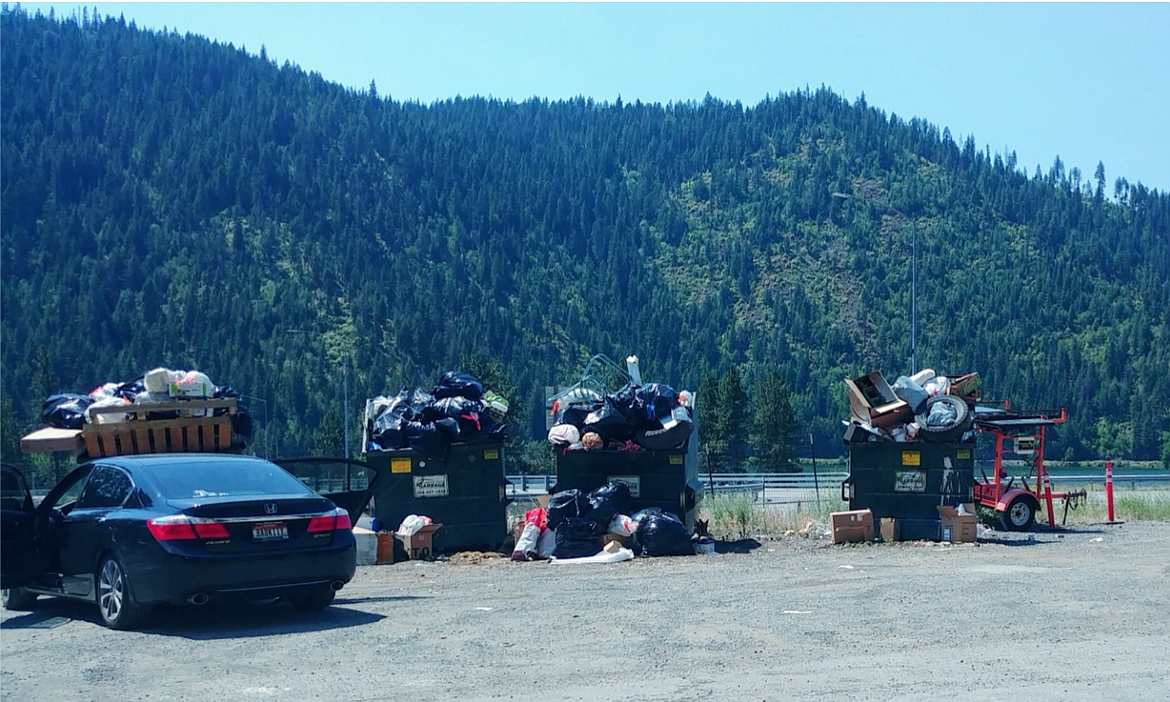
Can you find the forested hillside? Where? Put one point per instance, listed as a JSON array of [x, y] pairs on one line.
[[167, 200]]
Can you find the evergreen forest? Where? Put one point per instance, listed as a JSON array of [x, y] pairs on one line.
[[166, 200]]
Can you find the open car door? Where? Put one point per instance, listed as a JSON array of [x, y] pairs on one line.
[[347, 482], [16, 528]]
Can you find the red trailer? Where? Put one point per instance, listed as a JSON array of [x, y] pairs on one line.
[[1014, 500]]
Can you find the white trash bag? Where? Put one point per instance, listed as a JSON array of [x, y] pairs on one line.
[[412, 524], [106, 418], [159, 380]]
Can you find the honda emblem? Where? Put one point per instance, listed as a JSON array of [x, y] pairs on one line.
[[270, 508]]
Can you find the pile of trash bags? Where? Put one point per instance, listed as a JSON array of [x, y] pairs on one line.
[[925, 406], [579, 525], [74, 411], [457, 409], [651, 416]]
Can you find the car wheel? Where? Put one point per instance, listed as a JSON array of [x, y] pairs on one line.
[[18, 599], [313, 600], [1018, 516], [115, 599]]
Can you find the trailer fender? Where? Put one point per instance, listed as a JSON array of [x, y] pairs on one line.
[[1006, 499]]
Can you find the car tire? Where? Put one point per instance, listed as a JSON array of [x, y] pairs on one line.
[[948, 432], [1019, 515], [18, 599], [115, 597], [313, 600]]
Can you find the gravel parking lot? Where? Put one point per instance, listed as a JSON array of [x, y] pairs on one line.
[[1078, 615]]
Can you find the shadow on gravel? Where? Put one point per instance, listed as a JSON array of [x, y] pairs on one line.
[[740, 546], [35, 620], [229, 620]]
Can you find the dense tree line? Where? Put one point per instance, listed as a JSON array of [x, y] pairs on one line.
[[168, 200]]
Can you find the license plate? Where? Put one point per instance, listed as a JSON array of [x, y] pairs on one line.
[[270, 531]]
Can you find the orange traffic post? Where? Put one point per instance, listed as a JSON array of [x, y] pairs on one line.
[[1109, 488]]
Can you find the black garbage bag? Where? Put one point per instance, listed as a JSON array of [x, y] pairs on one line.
[[426, 439], [628, 403], [65, 411], [577, 415], [130, 390], [643, 515], [241, 420], [449, 428], [387, 428], [657, 401], [458, 384], [602, 511], [492, 433], [467, 413], [565, 504], [578, 537], [609, 422], [450, 407], [664, 535], [617, 493]]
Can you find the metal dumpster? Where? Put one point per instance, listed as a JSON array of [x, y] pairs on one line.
[[665, 479], [466, 493], [909, 481]]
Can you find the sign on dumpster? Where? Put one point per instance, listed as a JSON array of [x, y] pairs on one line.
[[633, 482], [431, 486], [910, 481]]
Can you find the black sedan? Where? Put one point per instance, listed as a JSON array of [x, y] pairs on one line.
[[130, 532]]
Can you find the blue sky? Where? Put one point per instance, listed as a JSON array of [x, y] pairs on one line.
[[1087, 82]]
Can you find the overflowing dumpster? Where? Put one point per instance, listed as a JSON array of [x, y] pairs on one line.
[[641, 435], [441, 455], [912, 451]]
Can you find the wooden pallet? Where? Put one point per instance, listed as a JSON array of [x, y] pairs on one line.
[[190, 431], [194, 429]]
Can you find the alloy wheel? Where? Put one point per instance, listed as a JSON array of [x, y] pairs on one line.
[[111, 590]]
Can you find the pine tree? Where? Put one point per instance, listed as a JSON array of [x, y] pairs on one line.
[[775, 427]]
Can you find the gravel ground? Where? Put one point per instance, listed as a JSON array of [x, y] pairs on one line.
[[1079, 615]]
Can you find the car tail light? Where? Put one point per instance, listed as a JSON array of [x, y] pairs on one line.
[[179, 526], [337, 519], [210, 530]]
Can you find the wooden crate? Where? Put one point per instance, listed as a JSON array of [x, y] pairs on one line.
[[190, 431]]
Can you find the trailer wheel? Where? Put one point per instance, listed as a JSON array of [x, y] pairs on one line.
[[1019, 515]]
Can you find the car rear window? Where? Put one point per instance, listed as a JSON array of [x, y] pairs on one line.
[[227, 479]]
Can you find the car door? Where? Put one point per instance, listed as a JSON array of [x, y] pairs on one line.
[[51, 529], [348, 483], [16, 528], [84, 528]]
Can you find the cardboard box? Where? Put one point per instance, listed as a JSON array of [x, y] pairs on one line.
[[955, 527], [872, 401], [890, 529], [419, 545], [607, 538], [852, 526], [51, 439]]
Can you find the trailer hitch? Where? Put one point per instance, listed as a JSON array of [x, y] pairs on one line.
[[1073, 500]]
